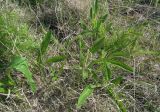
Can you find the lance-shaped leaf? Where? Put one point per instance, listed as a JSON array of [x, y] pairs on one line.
[[91, 13], [108, 73], [45, 43], [21, 65], [55, 59], [44, 46], [121, 65], [84, 95], [100, 21], [95, 7]]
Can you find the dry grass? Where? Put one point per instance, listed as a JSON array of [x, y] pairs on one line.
[[79, 4], [142, 89]]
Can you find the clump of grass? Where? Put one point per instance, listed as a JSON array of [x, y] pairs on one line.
[[15, 35], [15, 40]]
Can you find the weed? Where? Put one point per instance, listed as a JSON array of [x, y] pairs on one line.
[[101, 54], [104, 53], [14, 40]]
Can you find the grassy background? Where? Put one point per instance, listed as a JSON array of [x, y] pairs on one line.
[[23, 25]]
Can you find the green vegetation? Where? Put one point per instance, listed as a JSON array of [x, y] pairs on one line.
[[53, 57]]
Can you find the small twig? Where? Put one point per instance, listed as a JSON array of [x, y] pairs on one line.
[[8, 95], [26, 99]]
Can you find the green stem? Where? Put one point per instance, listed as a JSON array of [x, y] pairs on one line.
[[116, 98]]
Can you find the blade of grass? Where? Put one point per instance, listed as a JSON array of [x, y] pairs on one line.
[[55, 59], [121, 64]]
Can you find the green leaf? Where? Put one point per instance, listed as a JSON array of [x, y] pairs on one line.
[[56, 59], [81, 54], [107, 73], [100, 21], [121, 64], [16, 61], [103, 18], [6, 83], [95, 7], [149, 52], [83, 25], [84, 95], [2, 90], [45, 43], [91, 13], [21, 65], [117, 80], [85, 32], [44, 46], [119, 54], [1, 84], [97, 45]]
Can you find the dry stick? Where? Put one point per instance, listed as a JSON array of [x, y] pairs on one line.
[[26, 99], [134, 73], [8, 95]]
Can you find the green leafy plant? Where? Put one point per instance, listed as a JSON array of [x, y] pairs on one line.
[[43, 47], [21, 65], [6, 84], [42, 59], [15, 39], [15, 36], [106, 53]]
